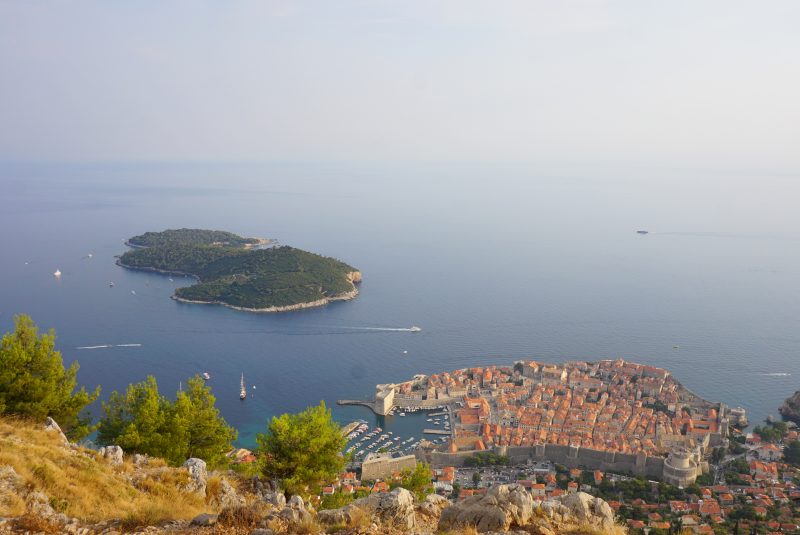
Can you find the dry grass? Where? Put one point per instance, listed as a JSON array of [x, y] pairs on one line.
[[359, 518], [81, 486], [35, 524], [591, 529], [239, 517], [306, 527], [466, 530]]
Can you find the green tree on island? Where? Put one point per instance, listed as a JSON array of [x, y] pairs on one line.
[[143, 421], [304, 449], [34, 383]]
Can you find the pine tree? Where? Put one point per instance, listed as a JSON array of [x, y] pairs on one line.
[[144, 421], [206, 434], [304, 449], [34, 383]]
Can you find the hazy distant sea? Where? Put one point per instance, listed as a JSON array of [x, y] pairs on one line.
[[495, 263]]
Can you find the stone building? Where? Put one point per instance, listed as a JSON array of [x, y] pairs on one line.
[[384, 398], [383, 465]]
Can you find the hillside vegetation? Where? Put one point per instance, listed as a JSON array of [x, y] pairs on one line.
[[79, 485], [192, 236], [230, 273]]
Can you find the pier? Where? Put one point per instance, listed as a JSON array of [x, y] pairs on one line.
[[436, 432], [363, 403]]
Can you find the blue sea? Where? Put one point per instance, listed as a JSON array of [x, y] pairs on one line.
[[494, 262]]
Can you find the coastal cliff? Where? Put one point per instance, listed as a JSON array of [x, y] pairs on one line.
[[790, 409]]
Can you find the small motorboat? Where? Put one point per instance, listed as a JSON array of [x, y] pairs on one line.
[[205, 375], [57, 273], [242, 389]]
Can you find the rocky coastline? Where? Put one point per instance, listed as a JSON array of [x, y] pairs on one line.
[[347, 296], [790, 410]]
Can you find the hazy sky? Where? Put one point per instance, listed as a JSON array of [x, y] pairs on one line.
[[692, 83]]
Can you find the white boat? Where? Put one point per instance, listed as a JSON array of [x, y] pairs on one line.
[[415, 329], [205, 375], [133, 292], [57, 273], [242, 389], [111, 284]]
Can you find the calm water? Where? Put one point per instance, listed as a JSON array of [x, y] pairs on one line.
[[494, 263]]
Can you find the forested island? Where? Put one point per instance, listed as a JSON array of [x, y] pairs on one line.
[[232, 270]]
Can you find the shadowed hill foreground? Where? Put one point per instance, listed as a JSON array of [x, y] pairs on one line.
[[49, 485]]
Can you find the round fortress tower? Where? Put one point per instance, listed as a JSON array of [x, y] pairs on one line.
[[680, 467]]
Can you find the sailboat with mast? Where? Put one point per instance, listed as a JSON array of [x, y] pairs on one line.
[[242, 389]]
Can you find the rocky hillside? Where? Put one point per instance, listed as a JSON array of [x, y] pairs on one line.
[[791, 408], [48, 485]]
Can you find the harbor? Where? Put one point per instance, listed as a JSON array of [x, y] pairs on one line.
[[400, 433]]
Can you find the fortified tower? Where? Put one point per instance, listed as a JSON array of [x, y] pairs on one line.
[[384, 398], [681, 467]]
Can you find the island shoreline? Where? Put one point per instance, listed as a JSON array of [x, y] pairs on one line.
[[347, 296], [355, 276]]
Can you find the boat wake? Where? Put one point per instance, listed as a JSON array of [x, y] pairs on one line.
[[109, 345], [776, 374], [413, 329]]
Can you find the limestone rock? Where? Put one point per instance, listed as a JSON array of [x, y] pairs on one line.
[[204, 519], [586, 508], [198, 475], [227, 496], [433, 505], [38, 503], [113, 454], [296, 502], [52, 425], [140, 460], [295, 516], [12, 487], [275, 498], [395, 509], [499, 509]]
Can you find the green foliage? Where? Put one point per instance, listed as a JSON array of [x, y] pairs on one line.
[[143, 421], [658, 406], [34, 383], [417, 481], [487, 458], [189, 236], [705, 480], [740, 466], [336, 500], [476, 478], [771, 433], [791, 453], [304, 449], [248, 278]]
